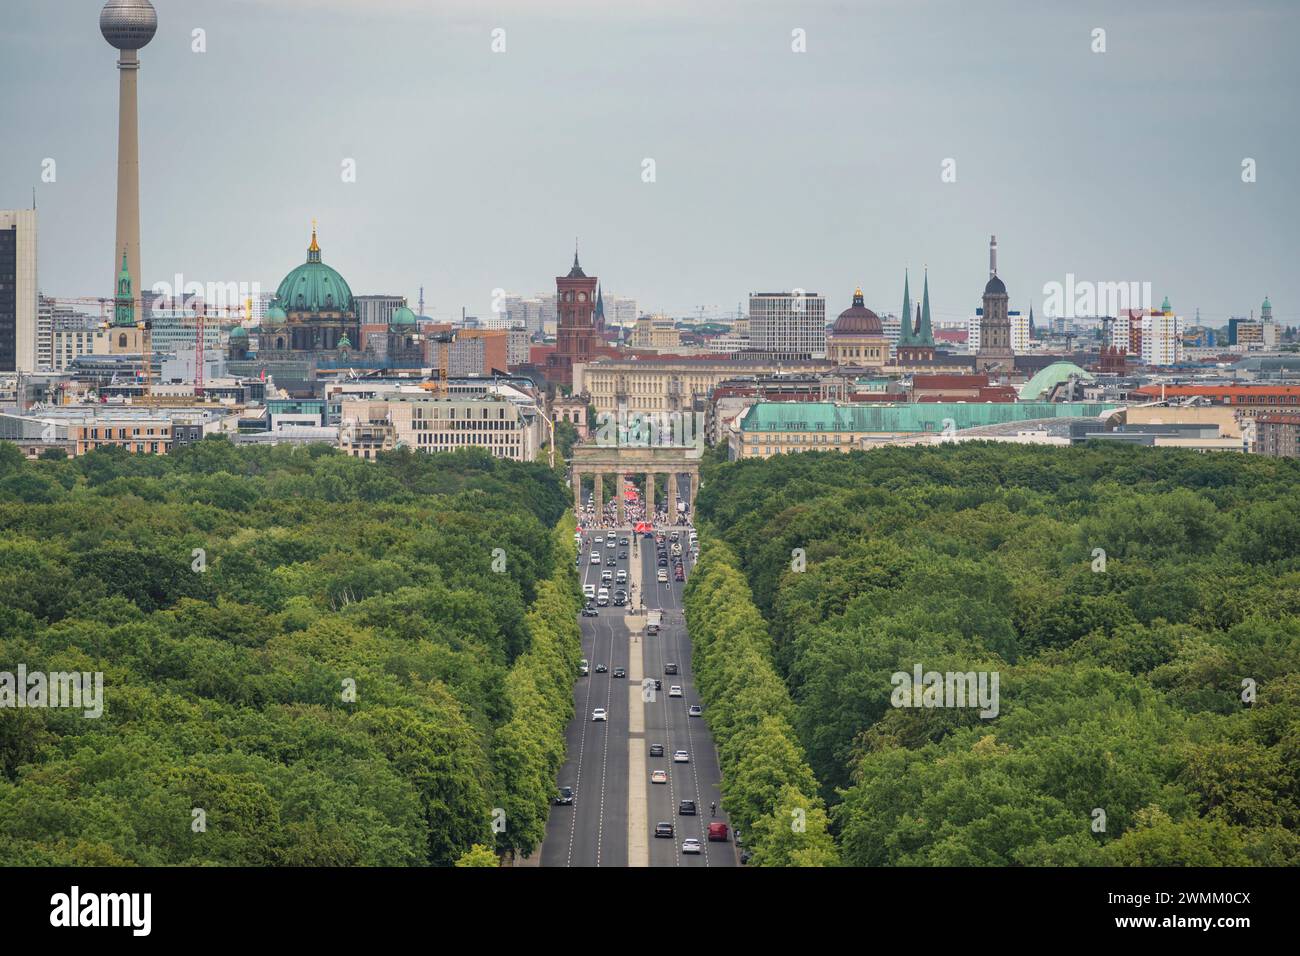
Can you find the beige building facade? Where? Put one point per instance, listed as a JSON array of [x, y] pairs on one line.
[[429, 424], [672, 384]]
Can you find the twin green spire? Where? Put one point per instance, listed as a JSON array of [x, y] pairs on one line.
[[921, 333]]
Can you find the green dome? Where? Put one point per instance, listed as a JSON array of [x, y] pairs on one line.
[[402, 316], [1165, 307], [238, 332], [1048, 378], [274, 314], [314, 286]]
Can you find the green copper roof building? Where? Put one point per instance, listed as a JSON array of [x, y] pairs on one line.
[[1048, 378], [905, 418], [124, 301], [402, 317], [314, 286]]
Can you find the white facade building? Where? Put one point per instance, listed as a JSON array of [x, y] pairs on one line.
[[788, 322]]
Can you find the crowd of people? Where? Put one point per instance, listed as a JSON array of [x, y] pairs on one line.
[[633, 513]]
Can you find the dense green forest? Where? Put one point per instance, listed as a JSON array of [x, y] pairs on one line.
[[1141, 608], [308, 659]]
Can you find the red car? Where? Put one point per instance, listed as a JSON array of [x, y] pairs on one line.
[[717, 831]]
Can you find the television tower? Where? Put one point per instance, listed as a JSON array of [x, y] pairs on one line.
[[128, 26]]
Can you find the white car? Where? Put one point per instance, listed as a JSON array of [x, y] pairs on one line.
[[691, 846], [675, 690], [598, 714], [598, 540], [681, 756], [589, 590], [663, 575], [695, 710], [595, 557], [659, 776]]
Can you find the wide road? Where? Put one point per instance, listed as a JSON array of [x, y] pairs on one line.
[[612, 820]]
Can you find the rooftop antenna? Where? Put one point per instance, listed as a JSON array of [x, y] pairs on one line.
[[422, 300]]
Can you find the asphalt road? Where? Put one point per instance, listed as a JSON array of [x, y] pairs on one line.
[[613, 817]]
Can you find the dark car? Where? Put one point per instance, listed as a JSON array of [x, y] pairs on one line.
[[590, 612], [656, 750], [601, 668], [623, 542], [678, 575], [659, 685], [670, 668], [686, 808], [612, 562], [619, 672], [622, 555], [663, 562], [664, 830], [563, 796], [718, 832]]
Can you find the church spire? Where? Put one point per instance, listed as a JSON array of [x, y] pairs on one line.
[[924, 333], [905, 331], [124, 301], [313, 251]]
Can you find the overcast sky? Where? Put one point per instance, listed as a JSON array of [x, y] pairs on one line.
[[774, 169]]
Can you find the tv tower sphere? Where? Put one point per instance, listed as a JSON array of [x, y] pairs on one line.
[[128, 24]]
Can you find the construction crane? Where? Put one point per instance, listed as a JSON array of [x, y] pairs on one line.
[[442, 342]]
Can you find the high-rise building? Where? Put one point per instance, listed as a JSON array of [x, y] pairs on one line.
[[44, 333], [791, 323], [18, 292], [1021, 331], [994, 350], [1162, 336], [128, 26], [377, 309]]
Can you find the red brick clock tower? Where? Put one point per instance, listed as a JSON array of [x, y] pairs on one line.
[[575, 334]]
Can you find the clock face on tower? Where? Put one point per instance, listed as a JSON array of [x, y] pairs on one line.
[[582, 297]]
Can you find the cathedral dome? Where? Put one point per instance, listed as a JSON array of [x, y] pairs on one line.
[[239, 333], [857, 319], [314, 286], [402, 317]]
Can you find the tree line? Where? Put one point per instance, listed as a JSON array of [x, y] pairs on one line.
[[1141, 608], [768, 789], [307, 659]]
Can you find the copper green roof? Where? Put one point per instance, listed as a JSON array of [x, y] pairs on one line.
[[910, 417], [905, 328], [402, 316], [1050, 377], [314, 286]]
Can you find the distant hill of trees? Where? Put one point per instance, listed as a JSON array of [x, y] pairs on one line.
[[308, 659], [1141, 608]]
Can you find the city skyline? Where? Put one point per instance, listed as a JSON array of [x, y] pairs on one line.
[[469, 179]]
